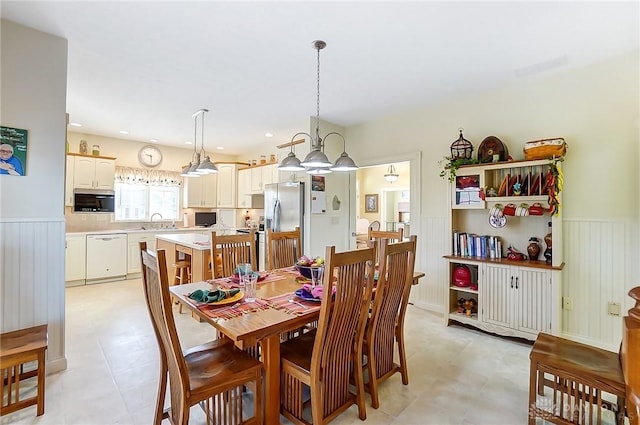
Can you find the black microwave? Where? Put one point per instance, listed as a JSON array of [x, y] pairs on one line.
[[94, 201]]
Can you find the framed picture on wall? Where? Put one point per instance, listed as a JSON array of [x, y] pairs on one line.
[[371, 203]]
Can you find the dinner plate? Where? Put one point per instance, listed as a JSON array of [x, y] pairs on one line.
[[502, 191], [304, 295], [497, 221], [235, 298]]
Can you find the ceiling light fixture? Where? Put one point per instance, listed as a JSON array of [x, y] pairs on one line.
[[316, 162], [124, 132], [391, 175], [206, 166], [75, 124]]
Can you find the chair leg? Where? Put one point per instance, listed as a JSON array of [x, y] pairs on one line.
[[533, 377], [162, 390], [403, 358]]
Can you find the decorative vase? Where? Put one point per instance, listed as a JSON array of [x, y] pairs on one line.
[[547, 240], [533, 249]]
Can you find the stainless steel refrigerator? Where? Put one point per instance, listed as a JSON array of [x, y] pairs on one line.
[[284, 206]]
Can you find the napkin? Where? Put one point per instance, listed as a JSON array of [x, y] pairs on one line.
[[315, 291], [204, 296]]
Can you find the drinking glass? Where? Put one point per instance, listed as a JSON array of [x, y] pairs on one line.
[[316, 275], [250, 281]]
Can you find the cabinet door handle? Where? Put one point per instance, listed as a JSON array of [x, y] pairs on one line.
[[516, 282], [511, 282]]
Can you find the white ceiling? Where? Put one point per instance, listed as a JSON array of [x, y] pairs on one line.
[[145, 67]]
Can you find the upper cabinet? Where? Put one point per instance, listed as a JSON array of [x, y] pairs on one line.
[[263, 175], [68, 186], [244, 188], [200, 192], [226, 187], [91, 172]]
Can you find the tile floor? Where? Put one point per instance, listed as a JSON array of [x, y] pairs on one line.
[[456, 375]]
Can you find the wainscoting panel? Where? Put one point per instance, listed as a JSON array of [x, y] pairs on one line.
[[432, 245], [600, 267], [32, 289]]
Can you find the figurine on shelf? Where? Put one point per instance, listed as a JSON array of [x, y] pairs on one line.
[[470, 306], [461, 302], [514, 254]]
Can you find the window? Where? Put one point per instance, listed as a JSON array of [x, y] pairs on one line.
[[139, 195]]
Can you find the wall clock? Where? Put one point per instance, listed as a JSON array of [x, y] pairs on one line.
[[150, 156], [492, 150]]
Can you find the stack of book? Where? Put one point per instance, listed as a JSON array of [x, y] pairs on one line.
[[480, 246]]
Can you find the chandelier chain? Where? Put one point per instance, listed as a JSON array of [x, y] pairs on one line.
[[318, 97]]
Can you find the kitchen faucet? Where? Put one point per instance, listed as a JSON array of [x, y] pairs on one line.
[[153, 215]]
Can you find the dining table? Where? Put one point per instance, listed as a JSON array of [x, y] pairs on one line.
[[275, 311]]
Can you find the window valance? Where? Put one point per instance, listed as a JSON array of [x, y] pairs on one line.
[[149, 177]]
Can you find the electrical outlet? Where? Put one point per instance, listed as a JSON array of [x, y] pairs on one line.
[[614, 308], [567, 303]]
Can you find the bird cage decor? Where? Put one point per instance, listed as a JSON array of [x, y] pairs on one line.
[[461, 148]]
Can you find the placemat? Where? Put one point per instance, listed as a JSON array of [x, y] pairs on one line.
[[229, 311], [281, 302]]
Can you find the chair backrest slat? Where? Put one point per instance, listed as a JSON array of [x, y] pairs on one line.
[[227, 251], [376, 237], [341, 324], [283, 248]]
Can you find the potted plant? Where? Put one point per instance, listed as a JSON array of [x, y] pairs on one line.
[[451, 165]]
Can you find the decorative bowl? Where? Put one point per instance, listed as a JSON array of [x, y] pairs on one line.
[[306, 270]]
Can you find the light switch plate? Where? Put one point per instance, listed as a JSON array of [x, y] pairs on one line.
[[614, 308]]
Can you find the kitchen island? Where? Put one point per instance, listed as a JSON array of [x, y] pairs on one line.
[[195, 245]]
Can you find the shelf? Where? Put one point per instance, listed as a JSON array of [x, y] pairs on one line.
[[463, 318], [504, 261], [507, 164], [462, 289], [516, 199]]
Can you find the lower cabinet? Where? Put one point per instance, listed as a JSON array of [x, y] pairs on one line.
[[509, 300], [516, 298], [75, 257], [133, 250]]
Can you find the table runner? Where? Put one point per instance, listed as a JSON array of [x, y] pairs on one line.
[[281, 302]]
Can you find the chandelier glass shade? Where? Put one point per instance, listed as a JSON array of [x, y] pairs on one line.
[[316, 161], [391, 174]]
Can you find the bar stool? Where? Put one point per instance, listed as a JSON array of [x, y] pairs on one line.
[[182, 267]]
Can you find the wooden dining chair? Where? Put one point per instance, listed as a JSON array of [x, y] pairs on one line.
[[376, 236], [385, 327], [578, 375], [328, 359], [630, 358], [283, 248], [212, 375], [227, 251]]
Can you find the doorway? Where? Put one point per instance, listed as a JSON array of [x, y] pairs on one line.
[[384, 199]]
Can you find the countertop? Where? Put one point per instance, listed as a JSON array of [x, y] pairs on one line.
[[161, 230], [191, 240]]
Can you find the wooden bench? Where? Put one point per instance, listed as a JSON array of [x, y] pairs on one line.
[[578, 376], [16, 349]]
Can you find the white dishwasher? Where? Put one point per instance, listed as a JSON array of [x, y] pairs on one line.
[[106, 257]]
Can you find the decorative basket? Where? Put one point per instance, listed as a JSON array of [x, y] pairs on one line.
[[545, 148]]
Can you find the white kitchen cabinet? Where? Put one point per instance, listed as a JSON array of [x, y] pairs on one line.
[[243, 197], [263, 175], [133, 250], [517, 301], [68, 182], [200, 192], [75, 254], [93, 173], [226, 187]]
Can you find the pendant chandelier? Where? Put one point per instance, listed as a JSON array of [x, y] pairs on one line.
[[196, 167], [316, 162], [391, 175]]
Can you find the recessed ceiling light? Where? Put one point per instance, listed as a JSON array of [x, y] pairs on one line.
[[75, 124], [188, 143], [124, 132], [220, 147], [153, 140], [268, 134]]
